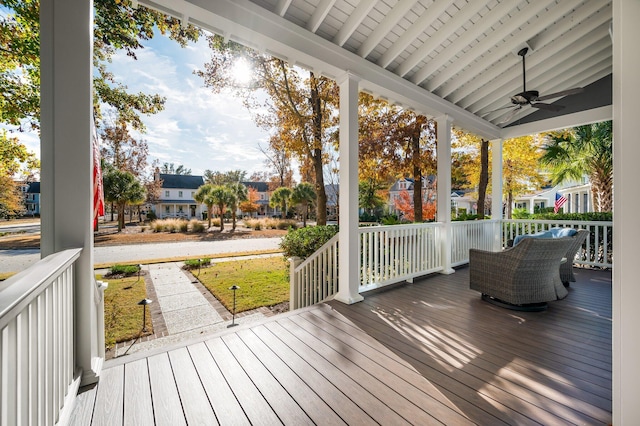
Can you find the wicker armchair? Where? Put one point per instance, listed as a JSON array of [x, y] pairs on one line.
[[566, 268], [523, 277]]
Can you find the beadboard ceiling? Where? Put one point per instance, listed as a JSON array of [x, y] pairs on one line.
[[454, 57]]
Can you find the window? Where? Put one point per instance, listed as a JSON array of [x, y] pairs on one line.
[[179, 209], [192, 194], [179, 194], [166, 194], [166, 209]]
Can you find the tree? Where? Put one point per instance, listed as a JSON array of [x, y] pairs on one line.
[[222, 197], [250, 205], [301, 109], [583, 150], [396, 141], [117, 26], [123, 151], [121, 188], [404, 203], [238, 194], [15, 161], [279, 160], [369, 195], [470, 166], [280, 198], [171, 169], [303, 195], [203, 195], [520, 168], [224, 178]]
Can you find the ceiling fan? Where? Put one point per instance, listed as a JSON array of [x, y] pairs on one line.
[[532, 97]]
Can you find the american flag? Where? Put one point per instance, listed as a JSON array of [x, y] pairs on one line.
[[560, 200], [98, 193]]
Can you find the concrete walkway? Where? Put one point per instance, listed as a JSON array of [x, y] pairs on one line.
[[181, 309]]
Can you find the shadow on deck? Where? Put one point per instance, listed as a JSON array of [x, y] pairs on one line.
[[425, 353]]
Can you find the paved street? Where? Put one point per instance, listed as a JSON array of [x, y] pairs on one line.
[[18, 260]]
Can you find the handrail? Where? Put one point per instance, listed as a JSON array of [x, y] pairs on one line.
[[37, 361], [316, 278]]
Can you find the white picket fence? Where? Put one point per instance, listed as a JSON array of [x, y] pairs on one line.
[[391, 254], [37, 341]]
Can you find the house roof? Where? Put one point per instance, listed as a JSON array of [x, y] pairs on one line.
[[259, 186], [446, 57], [181, 181], [34, 188]]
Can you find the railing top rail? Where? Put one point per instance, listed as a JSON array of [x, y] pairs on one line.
[[366, 229], [305, 262], [25, 286], [561, 222]]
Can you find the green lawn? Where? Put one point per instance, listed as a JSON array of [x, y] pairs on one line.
[[122, 314], [262, 282]]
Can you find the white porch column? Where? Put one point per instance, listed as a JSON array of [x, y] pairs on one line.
[[444, 187], [496, 191], [626, 292], [348, 253], [66, 42]]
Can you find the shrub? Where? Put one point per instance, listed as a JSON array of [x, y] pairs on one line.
[[183, 226], [125, 270], [215, 222], [390, 219], [286, 224], [151, 215], [304, 242], [196, 263], [196, 226]]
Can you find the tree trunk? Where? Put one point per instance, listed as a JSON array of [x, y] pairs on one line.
[[316, 155], [509, 203], [417, 175], [484, 177], [120, 217]]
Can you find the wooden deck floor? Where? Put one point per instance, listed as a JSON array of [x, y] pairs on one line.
[[425, 353]]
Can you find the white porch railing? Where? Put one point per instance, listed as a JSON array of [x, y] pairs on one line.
[[597, 250], [391, 254], [37, 361], [477, 234], [316, 278]]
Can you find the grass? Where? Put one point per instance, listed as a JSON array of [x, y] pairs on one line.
[[262, 282], [122, 314], [6, 275]]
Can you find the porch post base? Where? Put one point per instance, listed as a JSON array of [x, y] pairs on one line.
[[349, 300], [447, 271], [91, 376]]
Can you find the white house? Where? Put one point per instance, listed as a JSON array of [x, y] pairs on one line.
[[579, 199], [176, 197]]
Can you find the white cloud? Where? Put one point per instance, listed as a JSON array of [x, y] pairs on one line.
[[197, 128]]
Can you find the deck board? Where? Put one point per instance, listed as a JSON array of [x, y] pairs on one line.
[[430, 352], [139, 410]]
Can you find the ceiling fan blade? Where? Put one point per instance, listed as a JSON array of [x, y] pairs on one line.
[[548, 107], [500, 109], [510, 115], [567, 92]]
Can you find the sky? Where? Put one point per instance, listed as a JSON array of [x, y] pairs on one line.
[[198, 129]]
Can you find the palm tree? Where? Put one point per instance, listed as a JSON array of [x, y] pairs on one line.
[[222, 197], [280, 198], [203, 195], [584, 150], [121, 187], [303, 194], [239, 194]]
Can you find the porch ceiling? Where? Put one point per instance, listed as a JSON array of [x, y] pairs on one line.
[[455, 57]]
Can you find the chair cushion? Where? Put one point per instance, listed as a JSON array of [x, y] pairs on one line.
[[563, 232], [543, 234], [551, 233]]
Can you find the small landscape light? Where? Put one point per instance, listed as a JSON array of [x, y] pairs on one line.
[[233, 314], [144, 303]]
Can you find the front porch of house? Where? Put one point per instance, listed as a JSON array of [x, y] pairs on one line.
[[430, 352]]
